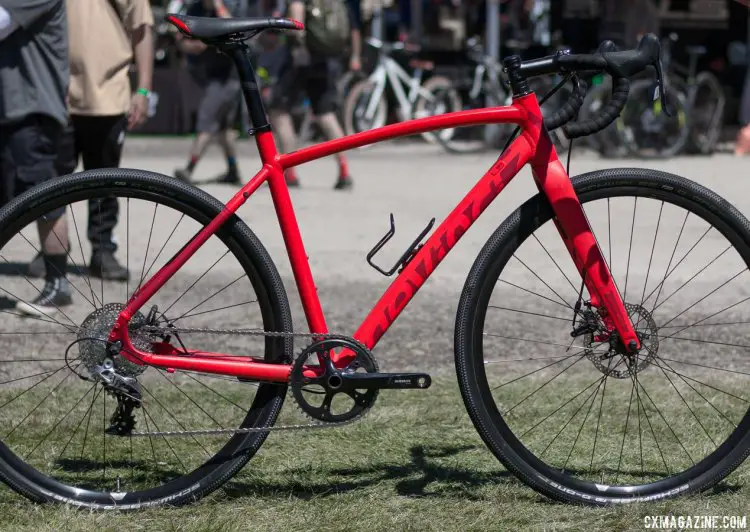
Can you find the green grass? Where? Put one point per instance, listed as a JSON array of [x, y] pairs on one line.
[[415, 463]]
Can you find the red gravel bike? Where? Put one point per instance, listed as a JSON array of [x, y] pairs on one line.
[[562, 349]]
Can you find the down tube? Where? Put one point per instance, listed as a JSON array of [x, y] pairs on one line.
[[411, 279]]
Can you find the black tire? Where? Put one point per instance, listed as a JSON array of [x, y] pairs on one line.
[[255, 267], [707, 114], [495, 427]]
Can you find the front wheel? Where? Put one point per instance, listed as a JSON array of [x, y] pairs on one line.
[[577, 418], [68, 424]]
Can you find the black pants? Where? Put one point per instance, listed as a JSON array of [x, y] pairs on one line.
[[98, 141], [28, 150]]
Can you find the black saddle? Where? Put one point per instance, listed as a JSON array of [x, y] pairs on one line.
[[217, 29]]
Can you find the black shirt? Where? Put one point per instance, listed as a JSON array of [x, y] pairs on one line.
[[216, 65]]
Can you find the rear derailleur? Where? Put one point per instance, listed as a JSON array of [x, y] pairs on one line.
[[127, 391]]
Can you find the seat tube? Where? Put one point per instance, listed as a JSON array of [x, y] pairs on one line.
[[254, 101]]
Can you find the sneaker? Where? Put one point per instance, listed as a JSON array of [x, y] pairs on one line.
[[343, 183], [232, 177], [55, 294], [292, 182], [36, 267], [105, 266], [183, 174]]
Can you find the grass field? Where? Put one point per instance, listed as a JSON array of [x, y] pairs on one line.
[[415, 463]]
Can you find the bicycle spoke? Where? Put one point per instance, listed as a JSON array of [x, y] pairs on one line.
[[195, 282], [566, 403], [569, 420], [523, 359], [83, 259], [172, 416], [63, 274], [651, 256], [190, 399], [218, 309], [544, 282], [575, 290], [529, 313], [161, 250], [653, 435], [580, 429], [80, 422], [715, 368], [39, 443], [101, 246], [687, 405], [534, 293], [625, 431], [630, 249], [543, 385], [153, 422], [694, 276], [660, 285], [643, 388], [207, 299], [148, 245]]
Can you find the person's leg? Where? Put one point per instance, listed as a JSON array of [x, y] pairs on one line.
[[227, 136], [207, 125], [33, 148], [100, 140], [284, 93], [324, 98], [66, 163]]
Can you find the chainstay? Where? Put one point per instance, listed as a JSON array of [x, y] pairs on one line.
[[247, 430]]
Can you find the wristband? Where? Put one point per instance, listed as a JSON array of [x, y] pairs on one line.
[[143, 91]]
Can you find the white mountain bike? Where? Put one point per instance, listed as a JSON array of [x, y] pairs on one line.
[[366, 105]]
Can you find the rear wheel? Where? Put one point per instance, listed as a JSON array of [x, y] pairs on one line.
[[58, 414], [576, 418]]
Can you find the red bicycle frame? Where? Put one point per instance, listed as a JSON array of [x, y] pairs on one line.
[[532, 146]]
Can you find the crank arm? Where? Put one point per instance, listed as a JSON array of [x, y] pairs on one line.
[[381, 381]]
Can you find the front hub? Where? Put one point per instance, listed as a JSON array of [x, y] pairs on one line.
[[619, 361]]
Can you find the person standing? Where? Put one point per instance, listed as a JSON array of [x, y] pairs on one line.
[[219, 107], [305, 69], [105, 37], [33, 82]]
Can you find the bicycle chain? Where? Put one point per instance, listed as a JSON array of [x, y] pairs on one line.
[[248, 430]]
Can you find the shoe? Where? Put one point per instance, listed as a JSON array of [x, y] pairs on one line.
[[232, 177], [183, 174], [55, 294], [343, 183], [36, 267], [105, 266], [292, 182]]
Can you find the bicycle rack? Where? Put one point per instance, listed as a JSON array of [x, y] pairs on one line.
[[408, 254]]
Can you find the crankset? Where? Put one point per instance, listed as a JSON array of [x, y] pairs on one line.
[[343, 393]]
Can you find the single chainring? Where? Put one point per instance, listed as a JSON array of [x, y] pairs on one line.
[[334, 406], [93, 340], [610, 363]]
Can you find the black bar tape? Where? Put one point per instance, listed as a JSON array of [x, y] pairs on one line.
[[569, 110], [610, 112]]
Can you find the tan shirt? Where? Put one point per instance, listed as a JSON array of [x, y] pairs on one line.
[[101, 53]]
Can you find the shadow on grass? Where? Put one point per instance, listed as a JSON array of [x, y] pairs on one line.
[[413, 479]]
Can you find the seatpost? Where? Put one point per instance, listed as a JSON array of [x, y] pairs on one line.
[[240, 53]]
